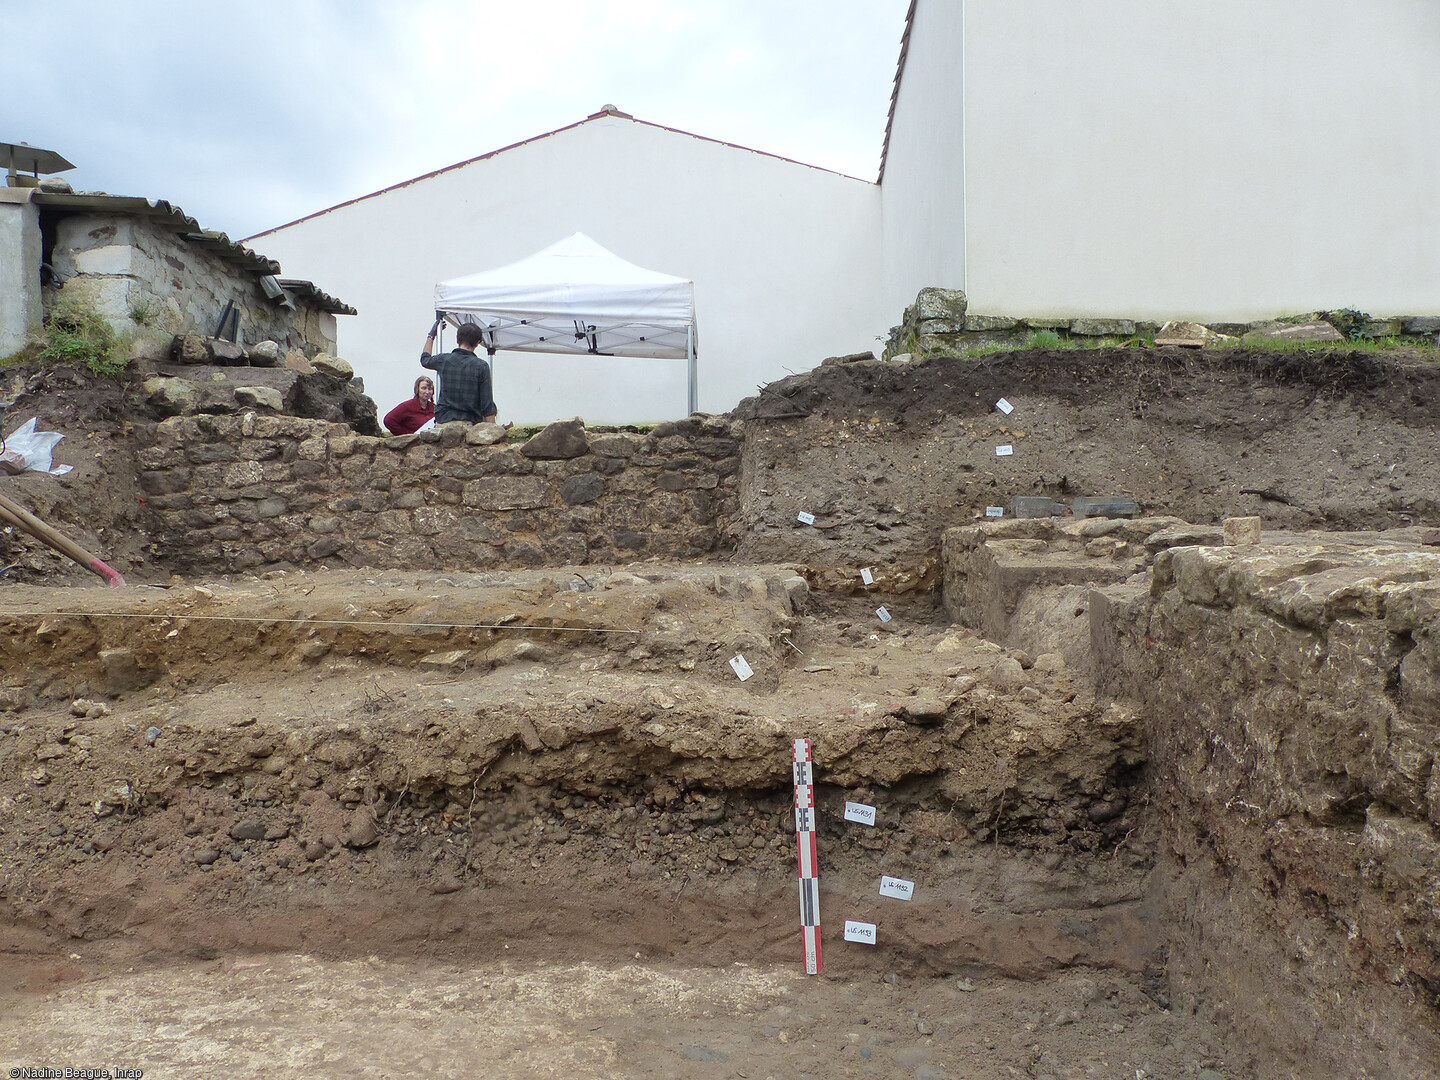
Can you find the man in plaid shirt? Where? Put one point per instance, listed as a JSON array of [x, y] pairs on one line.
[[465, 392]]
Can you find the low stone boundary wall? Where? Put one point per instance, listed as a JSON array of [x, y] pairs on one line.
[[234, 493]]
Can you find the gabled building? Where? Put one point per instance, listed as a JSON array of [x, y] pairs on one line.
[[1125, 159]]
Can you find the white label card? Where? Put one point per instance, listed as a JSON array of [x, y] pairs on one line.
[[884, 615], [994, 511], [1004, 406], [741, 667], [861, 812], [863, 932], [899, 888], [805, 518], [1004, 451], [867, 577]]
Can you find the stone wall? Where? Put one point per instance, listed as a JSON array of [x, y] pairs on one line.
[[142, 276], [1291, 692], [939, 323], [240, 492]]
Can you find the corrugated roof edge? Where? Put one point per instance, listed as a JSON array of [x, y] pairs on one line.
[[318, 297], [616, 113], [895, 89], [177, 220]]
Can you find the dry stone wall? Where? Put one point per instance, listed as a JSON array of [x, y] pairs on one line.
[[241, 492]]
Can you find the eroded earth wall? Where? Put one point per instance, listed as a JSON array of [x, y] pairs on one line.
[[887, 456]]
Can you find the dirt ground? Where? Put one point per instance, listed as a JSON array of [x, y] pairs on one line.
[[391, 834]]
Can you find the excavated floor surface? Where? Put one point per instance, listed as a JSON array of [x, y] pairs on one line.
[[531, 823]]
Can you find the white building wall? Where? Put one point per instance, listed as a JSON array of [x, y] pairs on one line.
[[1224, 160], [785, 260], [20, 243], [923, 186]]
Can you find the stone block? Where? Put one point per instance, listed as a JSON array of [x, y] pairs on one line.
[[989, 323], [1185, 536], [323, 547], [1104, 506], [1102, 327], [1036, 506], [224, 353], [935, 303], [670, 480], [619, 444], [111, 259], [561, 439], [333, 366], [1422, 324], [1241, 531], [585, 488], [173, 397], [264, 354], [261, 397], [242, 474], [508, 493], [1306, 331], [295, 360], [485, 434]]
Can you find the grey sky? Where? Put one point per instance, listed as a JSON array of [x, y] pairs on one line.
[[249, 115]]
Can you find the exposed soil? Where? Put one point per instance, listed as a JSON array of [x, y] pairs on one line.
[[529, 822], [533, 802]]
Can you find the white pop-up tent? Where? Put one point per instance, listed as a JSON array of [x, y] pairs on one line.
[[576, 297]]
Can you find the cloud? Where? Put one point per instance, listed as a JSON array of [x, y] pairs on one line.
[[251, 115]]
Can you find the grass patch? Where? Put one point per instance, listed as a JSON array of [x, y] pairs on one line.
[[77, 336]]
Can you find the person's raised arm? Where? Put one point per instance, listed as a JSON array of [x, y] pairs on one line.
[[429, 343]]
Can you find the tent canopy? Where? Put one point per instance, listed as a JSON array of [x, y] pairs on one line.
[[576, 297]]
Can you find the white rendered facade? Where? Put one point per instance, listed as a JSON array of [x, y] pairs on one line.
[[1152, 159], [1227, 160], [782, 256]]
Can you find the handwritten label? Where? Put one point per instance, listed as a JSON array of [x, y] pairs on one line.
[[741, 667], [994, 511], [884, 615], [861, 812], [863, 932], [805, 518], [1004, 406], [867, 577], [899, 888], [1004, 451]]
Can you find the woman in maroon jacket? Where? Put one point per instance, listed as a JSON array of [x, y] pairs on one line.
[[410, 416]]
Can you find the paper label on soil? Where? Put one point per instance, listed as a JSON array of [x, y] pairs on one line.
[[1004, 406], [741, 667], [994, 511], [1004, 451], [863, 932], [884, 615], [805, 518], [867, 577], [861, 812], [899, 888]]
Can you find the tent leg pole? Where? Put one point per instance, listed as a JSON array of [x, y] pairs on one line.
[[690, 357]]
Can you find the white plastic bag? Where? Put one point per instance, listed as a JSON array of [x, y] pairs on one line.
[[28, 450]]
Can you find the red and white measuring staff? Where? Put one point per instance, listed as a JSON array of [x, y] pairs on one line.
[[809, 863]]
